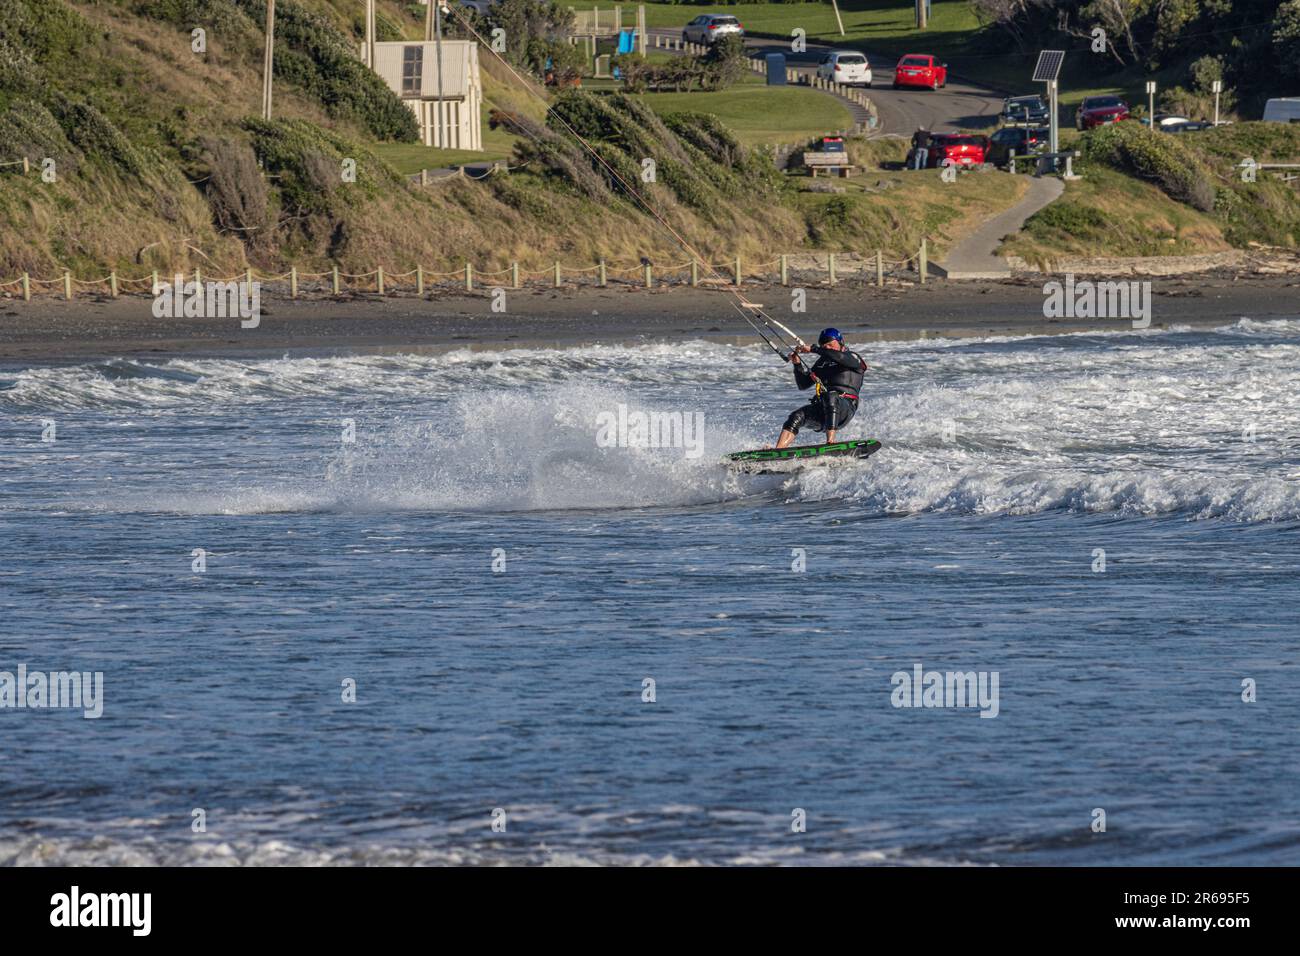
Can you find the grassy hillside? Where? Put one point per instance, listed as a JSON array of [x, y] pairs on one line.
[[1145, 194], [154, 157], [161, 162]]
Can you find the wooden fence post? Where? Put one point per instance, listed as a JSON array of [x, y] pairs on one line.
[[334, 278], [379, 280], [419, 279], [880, 269], [785, 269], [601, 266], [695, 273], [923, 261], [737, 272], [469, 277], [514, 275], [27, 287], [648, 280], [198, 279], [830, 266], [154, 287], [67, 284], [557, 274], [112, 283], [293, 282]]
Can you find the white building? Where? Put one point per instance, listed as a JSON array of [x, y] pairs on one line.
[[450, 116]]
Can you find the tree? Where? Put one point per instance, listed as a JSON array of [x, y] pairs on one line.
[[1286, 40], [724, 63], [535, 32]]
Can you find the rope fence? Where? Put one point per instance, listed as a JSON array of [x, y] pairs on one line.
[[799, 269]]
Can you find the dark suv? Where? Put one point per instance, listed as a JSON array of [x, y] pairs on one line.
[[1020, 140], [1025, 109]]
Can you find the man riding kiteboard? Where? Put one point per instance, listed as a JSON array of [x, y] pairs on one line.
[[837, 376]]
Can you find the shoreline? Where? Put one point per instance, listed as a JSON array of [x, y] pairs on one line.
[[54, 331]]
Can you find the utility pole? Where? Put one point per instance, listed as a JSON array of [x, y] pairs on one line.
[[1217, 87], [370, 34], [922, 14], [269, 60], [437, 25], [1054, 127], [1151, 104]]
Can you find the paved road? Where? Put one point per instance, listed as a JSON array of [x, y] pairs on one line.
[[902, 112]]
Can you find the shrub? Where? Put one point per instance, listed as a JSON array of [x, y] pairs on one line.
[[1160, 158], [723, 64], [97, 138], [236, 190], [27, 128]]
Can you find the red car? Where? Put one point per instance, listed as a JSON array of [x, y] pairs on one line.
[[920, 69], [962, 149], [1097, 111]]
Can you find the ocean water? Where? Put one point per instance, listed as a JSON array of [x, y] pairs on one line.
[[772, 613]]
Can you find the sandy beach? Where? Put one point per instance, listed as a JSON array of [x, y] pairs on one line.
[[54, 330]]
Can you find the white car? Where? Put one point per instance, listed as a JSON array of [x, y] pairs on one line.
[[845, 66], [709, 28]]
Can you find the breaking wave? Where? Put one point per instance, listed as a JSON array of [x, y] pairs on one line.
[[1201, 424]]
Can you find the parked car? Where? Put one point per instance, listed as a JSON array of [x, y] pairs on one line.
[[710, 27], [481, 7], [1025, 109], [1282, 110], [1164, 121], [1097, 111], [831, 144], [964, 149], [845, 66], [1021, 140], [920, 69], [1191, 126]]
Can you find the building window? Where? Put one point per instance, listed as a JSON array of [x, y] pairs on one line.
[[412, 70]]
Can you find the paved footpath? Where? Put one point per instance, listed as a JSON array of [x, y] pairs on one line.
[[975, 256]]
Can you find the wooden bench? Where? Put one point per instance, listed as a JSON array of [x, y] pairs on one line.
[[830, 162]]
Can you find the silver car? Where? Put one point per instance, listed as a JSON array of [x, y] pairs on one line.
[[710, 27]]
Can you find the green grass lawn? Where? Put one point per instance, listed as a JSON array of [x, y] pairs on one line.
[[410, 158], [761, 114]]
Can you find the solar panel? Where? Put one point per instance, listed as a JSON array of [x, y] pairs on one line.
[[1049, 66]]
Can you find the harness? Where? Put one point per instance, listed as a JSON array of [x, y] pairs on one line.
[[828, 395]]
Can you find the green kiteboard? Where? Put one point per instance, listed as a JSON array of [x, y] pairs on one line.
[[760, 460]]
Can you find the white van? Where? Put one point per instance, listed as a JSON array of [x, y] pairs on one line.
[[1283, 110]]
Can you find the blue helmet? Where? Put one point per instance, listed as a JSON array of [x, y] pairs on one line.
[[830, 335]]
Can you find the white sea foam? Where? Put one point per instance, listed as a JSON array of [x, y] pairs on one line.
[[1200, 424]]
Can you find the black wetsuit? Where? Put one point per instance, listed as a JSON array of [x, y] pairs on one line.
[[840, 373]]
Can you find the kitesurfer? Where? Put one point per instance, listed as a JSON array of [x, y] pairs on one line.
[[837, 377]]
